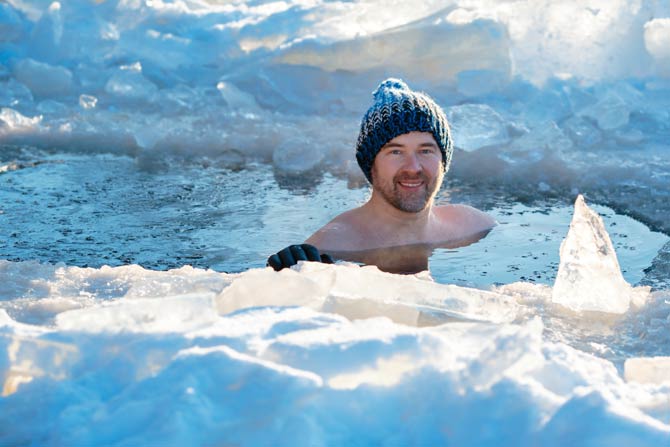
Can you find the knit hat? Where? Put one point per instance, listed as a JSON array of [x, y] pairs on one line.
[[398, 110]]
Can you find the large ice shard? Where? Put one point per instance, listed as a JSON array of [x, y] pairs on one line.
[[589, 277]]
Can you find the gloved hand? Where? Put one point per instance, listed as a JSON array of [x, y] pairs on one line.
[[294, 253]]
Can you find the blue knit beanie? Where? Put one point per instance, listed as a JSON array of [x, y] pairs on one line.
[[398, 110]]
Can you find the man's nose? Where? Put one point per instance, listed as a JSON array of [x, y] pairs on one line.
[[412, 163]]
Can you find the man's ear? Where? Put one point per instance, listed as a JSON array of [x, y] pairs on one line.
[[372, 170]]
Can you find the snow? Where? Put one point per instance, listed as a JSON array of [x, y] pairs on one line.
[[175, 369]]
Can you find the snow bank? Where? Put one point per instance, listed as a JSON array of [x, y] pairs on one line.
[[176, 370]]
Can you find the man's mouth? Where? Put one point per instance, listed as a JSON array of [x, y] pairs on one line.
[[410, 183]]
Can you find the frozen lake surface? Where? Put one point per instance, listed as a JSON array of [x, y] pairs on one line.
[[103, 334]]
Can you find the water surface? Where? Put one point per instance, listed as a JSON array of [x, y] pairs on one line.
[[94, 210]]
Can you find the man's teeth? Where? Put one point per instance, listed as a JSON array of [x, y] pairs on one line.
[[410, 185]]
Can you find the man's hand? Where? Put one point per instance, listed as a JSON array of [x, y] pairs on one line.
[[294, 253]]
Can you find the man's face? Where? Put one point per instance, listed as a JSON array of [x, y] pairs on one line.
[[407, 172]]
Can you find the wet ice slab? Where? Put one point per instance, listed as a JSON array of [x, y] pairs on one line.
[[364, 292]]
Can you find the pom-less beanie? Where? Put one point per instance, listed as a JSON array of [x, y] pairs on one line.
[[398, 110]]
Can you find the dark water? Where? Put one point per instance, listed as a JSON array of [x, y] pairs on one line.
[[94, 210]]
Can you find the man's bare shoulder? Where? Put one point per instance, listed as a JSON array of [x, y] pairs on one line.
[[465, 220], [340, 234]]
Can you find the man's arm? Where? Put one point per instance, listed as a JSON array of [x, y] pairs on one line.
[[333, 236], [293, 253], [336, 235], [470, 221], [323, 237]]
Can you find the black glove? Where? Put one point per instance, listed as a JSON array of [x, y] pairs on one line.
[[294, 253]]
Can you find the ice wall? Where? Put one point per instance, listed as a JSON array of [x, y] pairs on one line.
[[192, 77], [536, 91]]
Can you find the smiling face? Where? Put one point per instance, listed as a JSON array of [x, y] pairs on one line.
[[407, 172]]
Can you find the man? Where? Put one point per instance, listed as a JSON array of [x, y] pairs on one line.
[[404, 149]]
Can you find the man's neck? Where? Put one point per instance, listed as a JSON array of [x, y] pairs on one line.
[[390, 219]]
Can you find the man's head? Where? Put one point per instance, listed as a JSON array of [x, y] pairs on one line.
[[408, 172], [397, 110]]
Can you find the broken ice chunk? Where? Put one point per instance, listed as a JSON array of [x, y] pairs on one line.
[[11, 25], [51, 107], [545, 136], [582, 132], [297, 155], [481, 82], [42, 79], [477, 125], [14, 94], [610, 112], [589, 277], [442, 44], [657, 42], [236, 98], [14, 121], [87, 101], [46, 36], [260, 287], [130, 85], [34, 357], [647, 370]]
